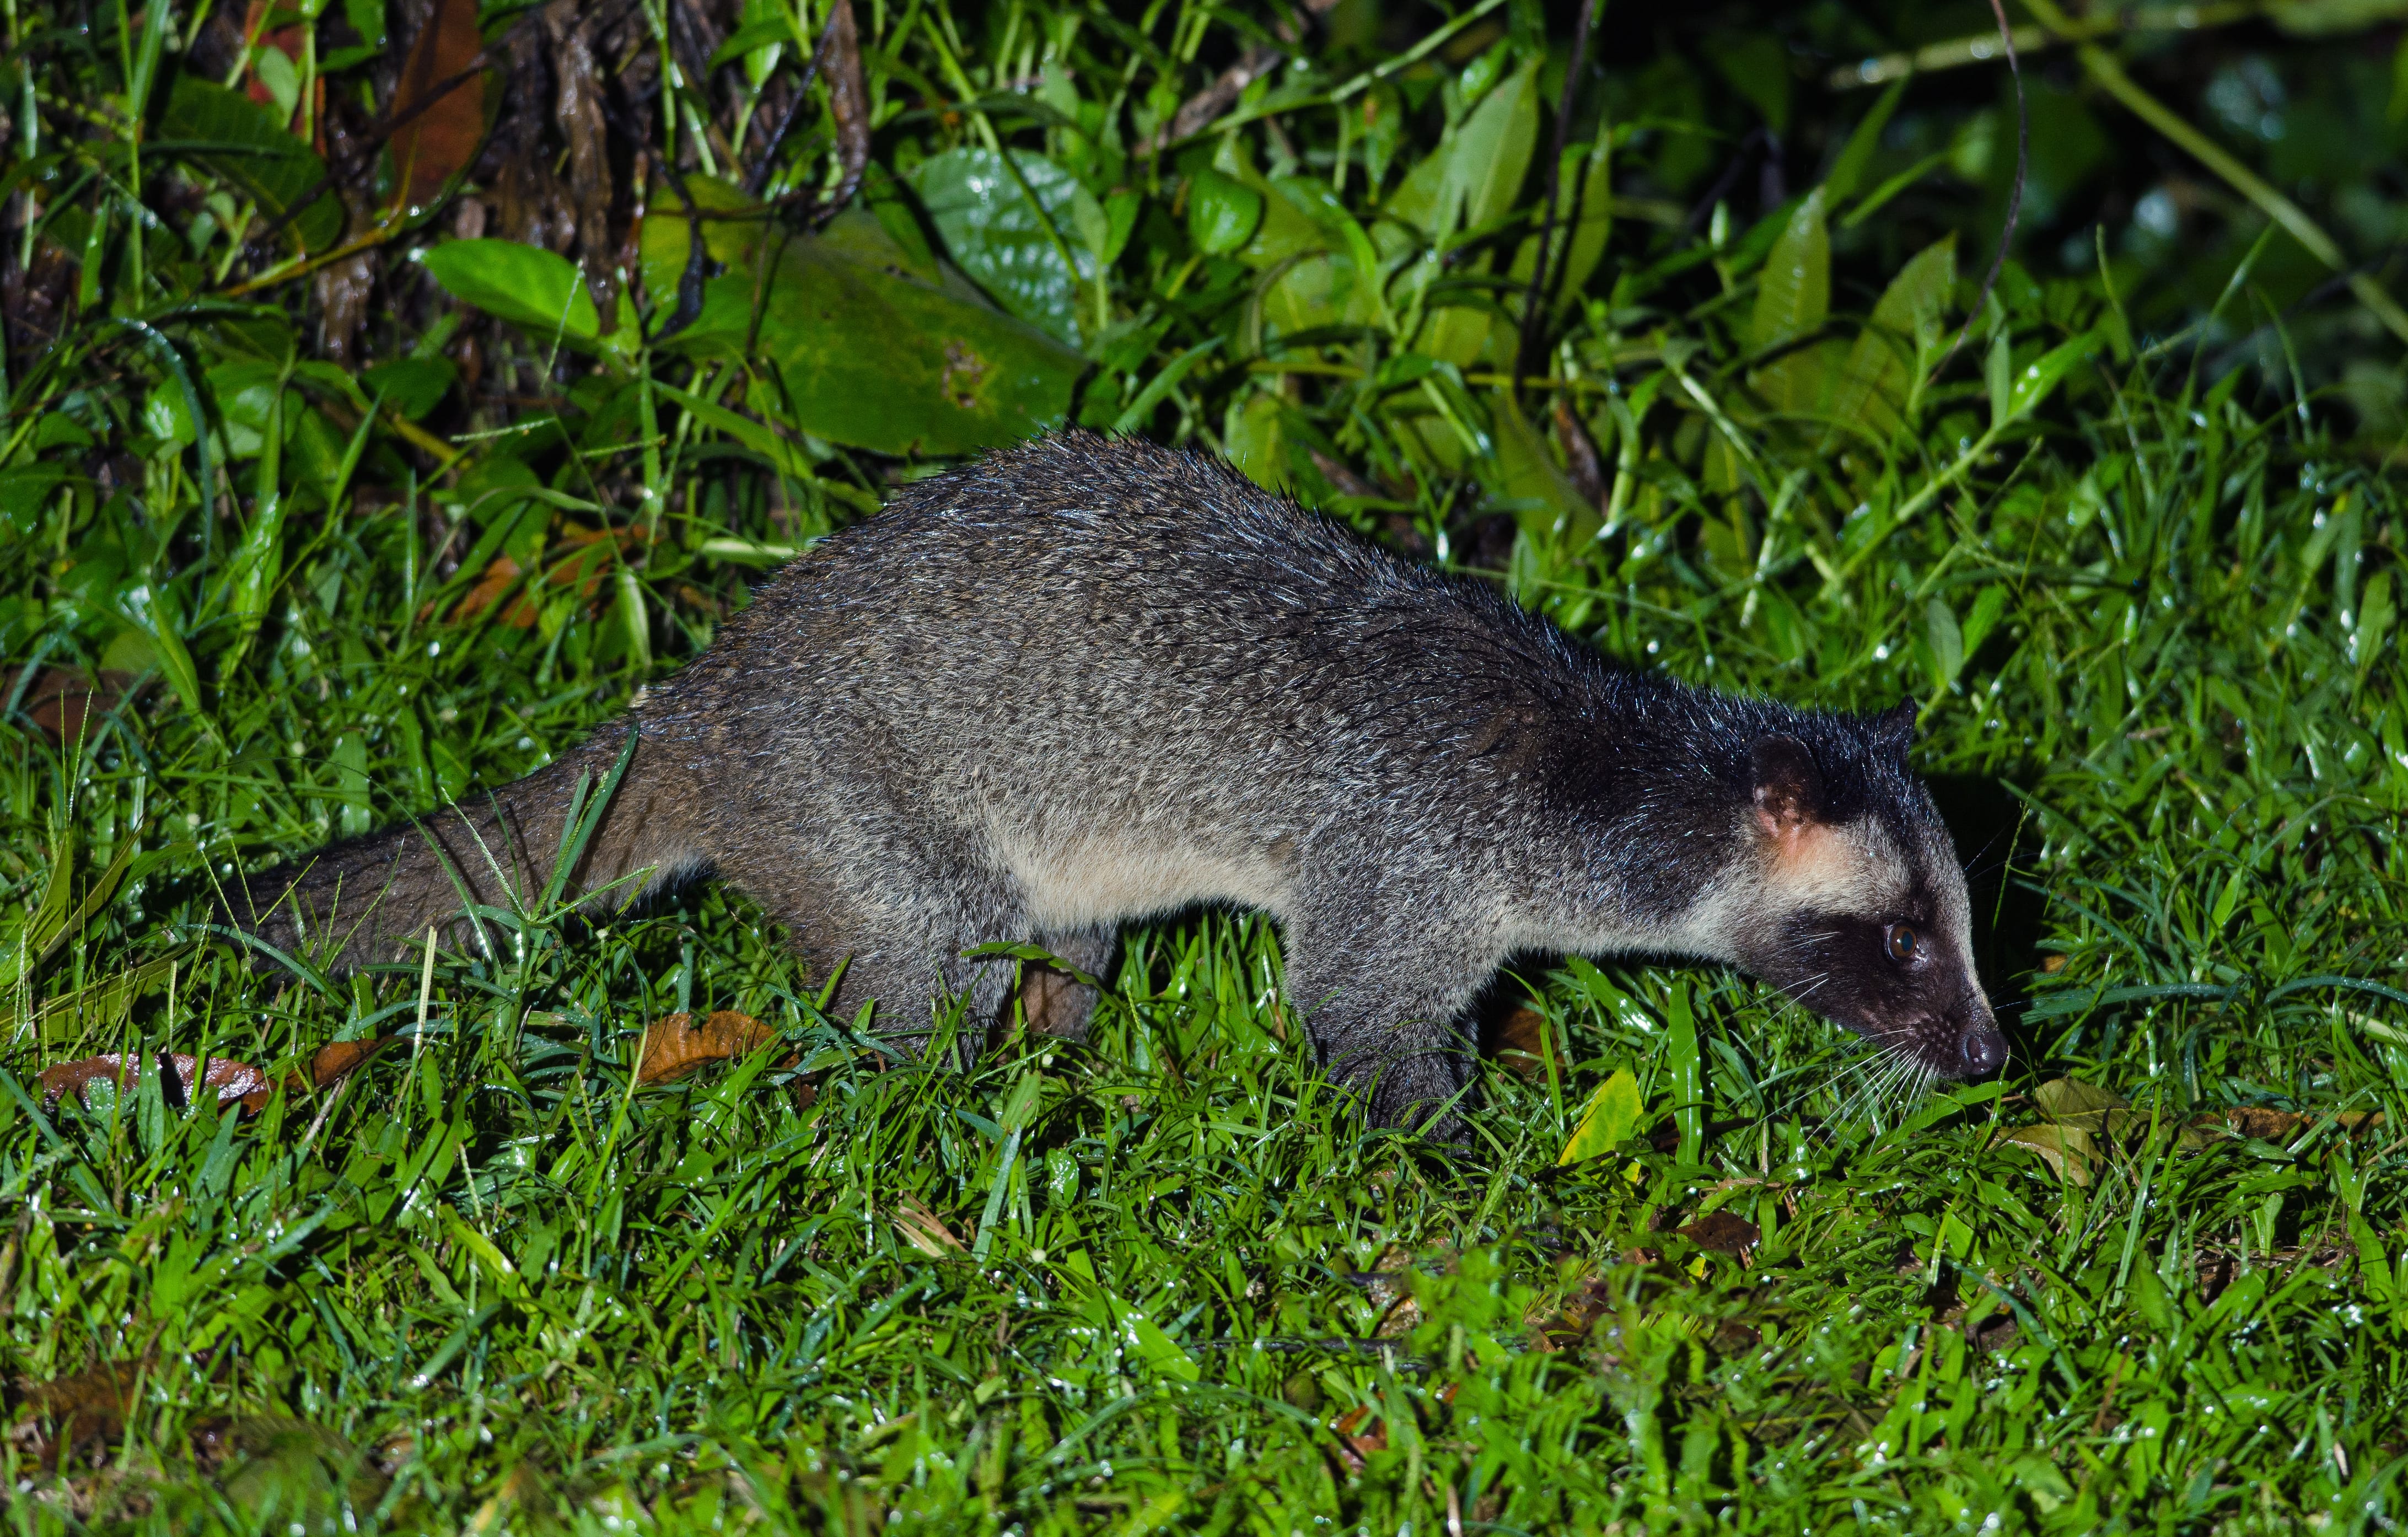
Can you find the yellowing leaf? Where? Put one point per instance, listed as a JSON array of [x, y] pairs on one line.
[[924, 1230], [1610, 1117], [2069, 1150]]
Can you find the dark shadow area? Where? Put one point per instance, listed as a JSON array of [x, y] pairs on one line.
[[1995, 838]]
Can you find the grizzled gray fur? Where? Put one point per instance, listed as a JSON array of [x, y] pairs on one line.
[[1089, 681]]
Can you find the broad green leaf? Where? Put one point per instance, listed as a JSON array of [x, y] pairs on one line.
[[731, 241], [1492, 153], [244, 393], [526, 285], [154, 615], [1794, 293], [873, 354], [1121, 211], [1256, 440], [413, 385], [1475, 175], [1890, 353], [1793, 296], [1028, 256], [1987, 609], [1221, 211], [24, 492], [1286, 232], [1547, 506], [1358, 295], [1456, 334], [243, 141], [1416, 199], [1946, 641], [1591, 217], [1140, 1336], [1609, 1119]]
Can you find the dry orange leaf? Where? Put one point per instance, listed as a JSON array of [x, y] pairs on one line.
[[335, 1063], [678, 1046], [440, 129], [488, 590]]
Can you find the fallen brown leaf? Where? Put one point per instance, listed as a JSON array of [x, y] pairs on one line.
[[61, 701], [2083, 1118], [1721, 1231], [1571, 1325], [1733, 1338], [1521, 1044], [677, 1045], [2281, 1126], [443, 126], [1356, 1444], [335, 1063], [231, 1081], [1580, 456], [87, 1409]]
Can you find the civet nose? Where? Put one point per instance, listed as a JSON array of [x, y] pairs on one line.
[[1982, 1050]]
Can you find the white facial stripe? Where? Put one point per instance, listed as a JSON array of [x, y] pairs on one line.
[[1852, 867]]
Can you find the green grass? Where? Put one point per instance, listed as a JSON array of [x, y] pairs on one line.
[[1165, 1280]]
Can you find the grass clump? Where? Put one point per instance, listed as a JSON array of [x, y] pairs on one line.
[[330, 495]]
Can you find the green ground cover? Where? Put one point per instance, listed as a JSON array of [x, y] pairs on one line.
[[2131, 547]]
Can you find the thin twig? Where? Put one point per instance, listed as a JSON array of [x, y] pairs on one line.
[[2015, 198], [1198, 110], [761, 169], [1534, 303]]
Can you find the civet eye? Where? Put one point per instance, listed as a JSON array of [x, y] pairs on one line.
[[1903, 942]]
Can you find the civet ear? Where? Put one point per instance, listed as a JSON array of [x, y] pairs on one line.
[[1894, 728], [1788, 786]]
